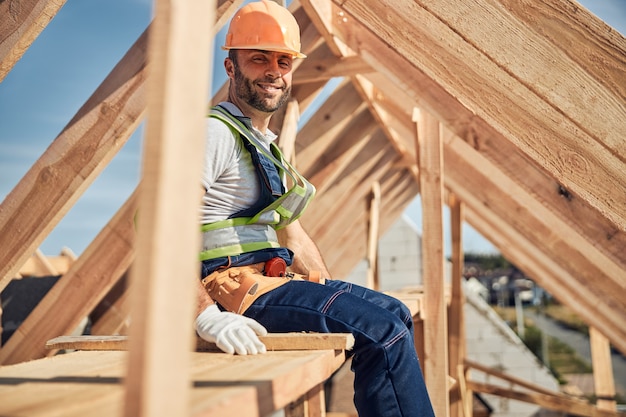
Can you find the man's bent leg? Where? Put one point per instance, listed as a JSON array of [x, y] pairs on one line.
[[387, 302], [388, 378]]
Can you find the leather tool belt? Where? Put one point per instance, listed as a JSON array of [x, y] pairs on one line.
[[236, 288]]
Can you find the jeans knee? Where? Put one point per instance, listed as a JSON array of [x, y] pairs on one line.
[[404, 314], [387, 330]]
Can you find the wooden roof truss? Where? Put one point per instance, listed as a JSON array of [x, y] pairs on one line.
[[530, 99]]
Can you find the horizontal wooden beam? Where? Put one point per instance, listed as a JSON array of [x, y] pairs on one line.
[[324, 70], [272, 341]]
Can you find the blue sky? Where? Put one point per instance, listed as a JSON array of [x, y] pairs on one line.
[[63, 67]]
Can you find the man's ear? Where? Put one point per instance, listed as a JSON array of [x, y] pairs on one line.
[[229, 67]]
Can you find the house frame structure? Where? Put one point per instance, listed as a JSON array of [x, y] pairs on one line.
[[511, 112]]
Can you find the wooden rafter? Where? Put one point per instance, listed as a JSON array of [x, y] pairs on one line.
[[22, 24], [535, 155]]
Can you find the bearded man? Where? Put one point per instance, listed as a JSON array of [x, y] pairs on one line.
[[260, 269]]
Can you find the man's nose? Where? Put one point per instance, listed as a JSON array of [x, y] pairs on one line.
[[273, 69]]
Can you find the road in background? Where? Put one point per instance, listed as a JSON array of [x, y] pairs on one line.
[[580, 343]]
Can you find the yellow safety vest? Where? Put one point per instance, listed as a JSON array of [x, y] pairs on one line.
[[246, 234]]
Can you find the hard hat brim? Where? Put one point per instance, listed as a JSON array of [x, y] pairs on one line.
[[271, 48]]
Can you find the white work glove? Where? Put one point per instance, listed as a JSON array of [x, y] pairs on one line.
[[230, 332]]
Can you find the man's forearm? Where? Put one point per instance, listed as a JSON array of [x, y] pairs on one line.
[[307, 256]]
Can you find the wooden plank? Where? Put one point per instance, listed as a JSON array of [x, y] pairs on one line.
[[373, 281], [573, 29], [39, 265], [456, 318], [272, 341], [112, 314], [225, 10], [102, 264], [465, 409], [512, 380], [163, 276], [312, 404], [323, 70], [19, 27], [52, 386], [91, 383], [289, 131], [434, 312], [603, 380], [280, 377], [581, 97]]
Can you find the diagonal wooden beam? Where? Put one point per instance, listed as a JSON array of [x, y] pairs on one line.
[[75, 158], [592, 245], [71, 163], [597, 300], [398, 189], [323, 128], [78, 291], [388, 123], [20, 24], [598, 232], [484, 91]]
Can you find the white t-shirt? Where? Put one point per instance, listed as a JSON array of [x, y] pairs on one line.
[[228, 177]]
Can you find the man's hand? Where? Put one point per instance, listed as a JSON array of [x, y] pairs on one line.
[[230, 332]]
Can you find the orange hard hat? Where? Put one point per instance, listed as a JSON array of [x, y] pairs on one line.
[[264, 25]]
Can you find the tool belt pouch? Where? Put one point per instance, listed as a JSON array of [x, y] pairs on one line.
[[236, 288]]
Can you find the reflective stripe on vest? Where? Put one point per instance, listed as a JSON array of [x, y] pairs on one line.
[[245, 234]]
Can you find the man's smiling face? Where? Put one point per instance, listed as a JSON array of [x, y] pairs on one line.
[[262, 78]]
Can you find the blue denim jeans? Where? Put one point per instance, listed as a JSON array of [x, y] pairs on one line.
[[388, 381]]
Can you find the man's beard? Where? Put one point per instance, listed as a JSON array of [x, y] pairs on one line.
[[245, 90]]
